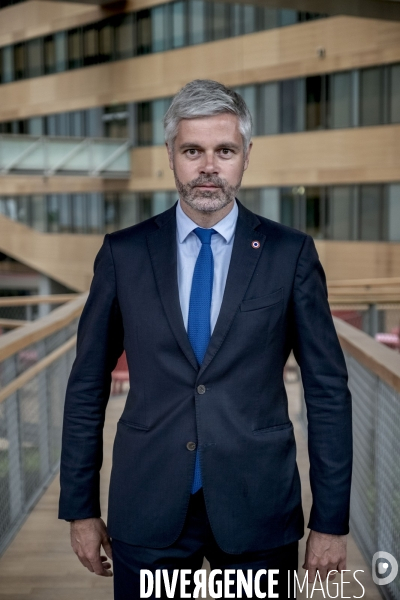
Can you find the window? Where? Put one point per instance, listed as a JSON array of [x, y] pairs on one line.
[[371, 213], [20, 70], [288, 17], [106, 42], [65, 213], [159, 109], [340, 100], [90, 45], [159, 37], [219, 20], [394, 101], [95, 213], [36, 126], [52, 214], [124, 37], [269, 203], [315, 211], [393, 219], [197, 22], [143, 31], [60, 43], [340, 212], [145, 130], [77, 123], [315, 103], [49, 55], [287, 207], [270, 18], [371, 92], [178, 18], [79, 213], [291, 105], [111, 216], [115, 119], [8, 64], [268, 122], [75, 49], [35, 57]]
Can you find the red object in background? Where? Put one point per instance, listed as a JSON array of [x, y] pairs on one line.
[[120, 375], [352, 317]]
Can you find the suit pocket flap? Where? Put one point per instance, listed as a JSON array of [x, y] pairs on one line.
[[262, 301]]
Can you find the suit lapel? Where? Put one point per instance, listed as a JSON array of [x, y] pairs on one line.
[[163, 253], [242, 265]]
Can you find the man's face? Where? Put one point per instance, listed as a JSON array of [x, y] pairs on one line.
[[208, 161]]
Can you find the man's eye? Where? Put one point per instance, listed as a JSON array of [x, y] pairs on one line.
[[226, 152], [192, 152]]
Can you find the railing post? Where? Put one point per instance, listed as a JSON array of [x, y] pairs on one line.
[[43, 425], [371, 320], [14, 457]]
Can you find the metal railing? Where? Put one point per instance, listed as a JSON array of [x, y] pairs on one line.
[[35, 361], [374, 381], [17, 311]]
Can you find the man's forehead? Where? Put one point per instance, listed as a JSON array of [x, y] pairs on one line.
[[224, 124]]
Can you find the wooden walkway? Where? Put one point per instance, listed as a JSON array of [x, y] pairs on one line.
[[40, 564]]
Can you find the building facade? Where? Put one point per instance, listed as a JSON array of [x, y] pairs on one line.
[[323, 90]]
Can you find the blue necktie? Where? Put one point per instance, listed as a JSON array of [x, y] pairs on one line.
[[199, 327]]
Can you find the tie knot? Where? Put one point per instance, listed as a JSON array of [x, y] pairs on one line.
[[204, 235]]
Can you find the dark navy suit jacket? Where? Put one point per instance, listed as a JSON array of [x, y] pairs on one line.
[[275, 300]]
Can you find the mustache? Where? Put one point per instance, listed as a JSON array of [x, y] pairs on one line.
[[206, 180]]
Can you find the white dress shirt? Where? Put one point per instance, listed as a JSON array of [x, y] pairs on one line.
[[189, 246]]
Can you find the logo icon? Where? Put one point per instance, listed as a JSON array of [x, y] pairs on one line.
[[384, 568]]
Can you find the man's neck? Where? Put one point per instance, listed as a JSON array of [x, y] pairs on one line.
[[206, 219]]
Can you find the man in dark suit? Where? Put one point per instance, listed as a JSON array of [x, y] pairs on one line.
[[208, 300]]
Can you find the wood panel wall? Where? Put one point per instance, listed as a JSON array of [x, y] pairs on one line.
[[349, 42]]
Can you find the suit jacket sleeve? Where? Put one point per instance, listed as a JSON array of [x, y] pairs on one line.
[[100, 343], [328, 400]]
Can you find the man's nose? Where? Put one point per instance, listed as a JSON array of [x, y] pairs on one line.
[[209, 163]]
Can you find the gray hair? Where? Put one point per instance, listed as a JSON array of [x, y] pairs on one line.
[[206, 98]]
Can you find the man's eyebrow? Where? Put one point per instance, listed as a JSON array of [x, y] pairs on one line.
[[229, 145]]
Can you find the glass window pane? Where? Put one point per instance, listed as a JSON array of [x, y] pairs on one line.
[[145, 130], [65, 211], [251, 199], [8, 64], [236, 19], [288, 96], [90, 45], [395, 94], [248, 93], [76, 123], [371, 92], [143, 25], [314, 199], [20, 70], [49, 55], [111, 216], [160, 202], [340, 213], [124, 37], [178, 24], [269, 109], [159, 28], [52, 214], [219, 20], [371, 212], [60, 41], [249, 19], [394, 212], [158, 112], [340, 100], [197, 22], [35, 57], [51, 125], [269, 203], [128, 209], [75, 49], [79, 213], [95, 213], [62, 124], [39, 215], [36, 126], [288, 17], [270, 18], [314, 103], [106, 41]]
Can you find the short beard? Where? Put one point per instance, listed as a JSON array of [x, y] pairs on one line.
[[203, 200]]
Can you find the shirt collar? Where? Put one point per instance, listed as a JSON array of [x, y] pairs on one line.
[[225, 227]]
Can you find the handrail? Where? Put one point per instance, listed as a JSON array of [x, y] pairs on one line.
[[33, 300], [29, 374], [37, 330], [12, 323], [381, 360]]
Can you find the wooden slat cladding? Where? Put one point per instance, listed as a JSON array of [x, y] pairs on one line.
[[349, 42]]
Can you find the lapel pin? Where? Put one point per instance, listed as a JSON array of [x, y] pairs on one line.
[[255, 244]]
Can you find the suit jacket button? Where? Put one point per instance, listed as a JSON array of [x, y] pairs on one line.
[[191, 446], [201, 389]]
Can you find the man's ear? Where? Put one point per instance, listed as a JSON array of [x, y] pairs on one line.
[[170, 156], [247, 157]]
